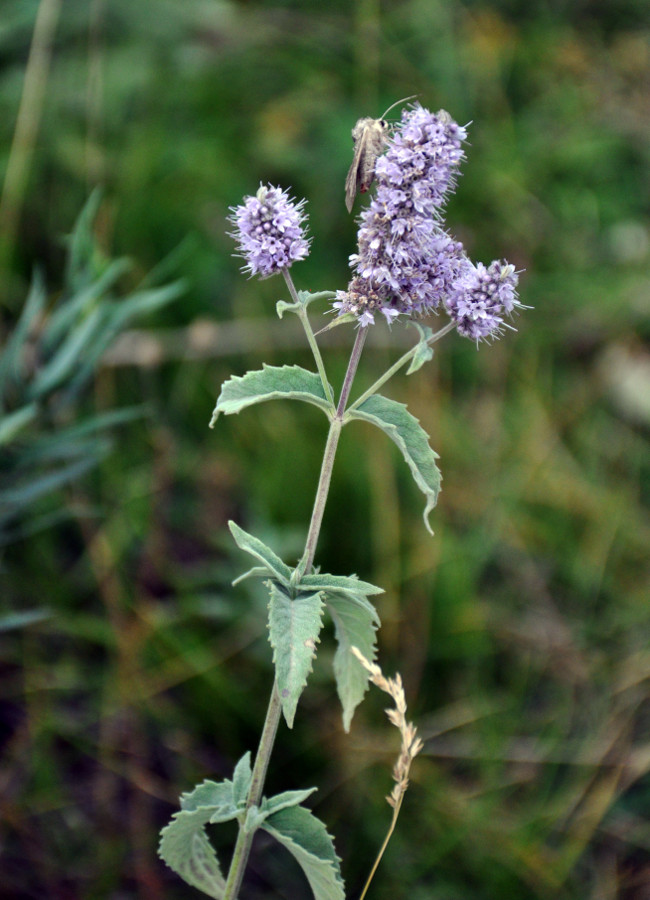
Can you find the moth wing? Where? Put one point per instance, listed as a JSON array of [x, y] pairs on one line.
[[354, 173]]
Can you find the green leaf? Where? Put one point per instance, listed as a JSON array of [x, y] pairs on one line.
[[356, 623], [70, 353], [270, 383], [81, 242], [13, 423], [304, 299], [294, 626], [261, 552], [404, 429], [339, 320], [255, 572], [241, 780], [253, 819], [285, 800], [423, 351], [213, 794], [22, 494], [11, 621], [11, 358], [185, 847], [72, 310], [306, 838], [117, 316], [322, 582]]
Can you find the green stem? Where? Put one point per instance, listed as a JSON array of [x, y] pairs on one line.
[[311, 337], [245, 838], [328, 456], [267, 740], [398, 365]]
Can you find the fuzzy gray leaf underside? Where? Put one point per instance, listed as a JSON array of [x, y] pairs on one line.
[[404, 429], [185, 847]]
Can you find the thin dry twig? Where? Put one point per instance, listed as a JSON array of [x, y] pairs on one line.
[[410, 747]]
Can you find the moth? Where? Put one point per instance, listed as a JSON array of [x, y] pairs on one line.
[[370, 137]]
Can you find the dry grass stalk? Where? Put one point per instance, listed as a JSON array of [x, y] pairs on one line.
[[411, 746]]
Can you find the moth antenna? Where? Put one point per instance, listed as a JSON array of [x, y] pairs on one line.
[[397, 102]]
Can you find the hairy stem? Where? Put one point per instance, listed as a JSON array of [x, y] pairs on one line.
[[311, 338], [328, 456], [245, 839], [398, 365]]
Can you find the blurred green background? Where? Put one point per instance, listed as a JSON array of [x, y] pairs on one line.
[[129, 668]]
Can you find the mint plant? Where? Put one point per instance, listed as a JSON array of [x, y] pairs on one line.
[[407, 267]]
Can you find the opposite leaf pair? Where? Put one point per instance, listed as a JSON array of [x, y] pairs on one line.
[[186, 849], [296, 607]]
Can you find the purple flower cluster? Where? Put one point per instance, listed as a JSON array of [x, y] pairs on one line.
[[407, 264], [269, 230], [481, 297]]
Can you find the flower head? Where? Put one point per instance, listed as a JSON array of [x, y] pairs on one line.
[[481, 297], [406, 262], [269, 230]]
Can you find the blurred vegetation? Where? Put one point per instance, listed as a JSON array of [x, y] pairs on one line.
[[129, 669]]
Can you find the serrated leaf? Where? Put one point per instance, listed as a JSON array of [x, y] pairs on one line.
[[250, 544], [213, 794], [294, 626], [355, 623], [270, 383], [322, 582], [306, 838], [405, 430], [241, 779], [284, 800], [185, 847], [423, 351]]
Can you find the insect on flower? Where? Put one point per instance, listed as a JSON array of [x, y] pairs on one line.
[[369, 136]]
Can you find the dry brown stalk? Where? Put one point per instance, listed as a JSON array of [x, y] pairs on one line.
[[411, 746]]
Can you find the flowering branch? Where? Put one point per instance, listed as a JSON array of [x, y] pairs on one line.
[[406, 266]]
